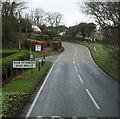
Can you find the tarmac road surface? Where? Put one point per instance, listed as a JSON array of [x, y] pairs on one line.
[[75, 86]]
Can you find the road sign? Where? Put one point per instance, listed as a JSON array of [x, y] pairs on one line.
[[37, 47], [24, 64], [31, 56]]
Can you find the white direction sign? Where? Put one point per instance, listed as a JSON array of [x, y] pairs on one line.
[[37, 47], [24, 64]]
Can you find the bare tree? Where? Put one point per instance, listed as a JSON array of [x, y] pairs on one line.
[[50, 19], [106, 14], [38, 16], [54, 19], [10, 7], [58, 19]]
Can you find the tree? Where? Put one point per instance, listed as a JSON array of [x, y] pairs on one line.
[[54, 19], [10, 7], [106, 14], [86, 29], [39, 16], [10, 10]]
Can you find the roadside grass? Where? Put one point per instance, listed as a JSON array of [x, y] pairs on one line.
[[40, 54], [17, 92], [103, 58], [26, 85]]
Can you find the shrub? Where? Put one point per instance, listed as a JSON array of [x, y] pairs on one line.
[[6, 62], [32, 43], [56, 45]]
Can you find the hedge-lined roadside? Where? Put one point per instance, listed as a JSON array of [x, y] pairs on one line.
[[54, 44], [6, 62], [31, 44], [16, 93]]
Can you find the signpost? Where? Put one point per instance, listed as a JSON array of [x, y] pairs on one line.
[[24, 64], [37, 47]]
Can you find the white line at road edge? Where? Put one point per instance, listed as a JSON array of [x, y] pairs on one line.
[[96, 64], [80, 78], [30, 110], [92, 99]]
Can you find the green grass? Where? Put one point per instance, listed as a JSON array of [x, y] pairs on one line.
[[103, 59], [40, 54], [26, 85], [15, 93]]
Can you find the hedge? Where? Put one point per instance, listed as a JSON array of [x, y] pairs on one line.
[[56, 45], [31, 43], [6, 62]]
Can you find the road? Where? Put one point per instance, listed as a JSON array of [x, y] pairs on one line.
[[75, 86]]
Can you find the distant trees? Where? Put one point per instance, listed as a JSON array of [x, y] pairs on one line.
[[84, 29], [40, 17], [54, 19], [107, 15]]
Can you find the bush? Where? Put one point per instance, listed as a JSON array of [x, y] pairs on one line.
[[6, 62], [32, 43], [56, 45]]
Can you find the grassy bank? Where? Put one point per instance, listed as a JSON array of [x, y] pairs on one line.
[[16, 92], [104, 59], [103, 56], [40, 54]]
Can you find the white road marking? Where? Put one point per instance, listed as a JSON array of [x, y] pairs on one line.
[[40, 90], [74, 62], [95, 63], [76, 68], [75, 54], [39, 117], [92, 99], [58, 117], [80, 78], [73, 58]]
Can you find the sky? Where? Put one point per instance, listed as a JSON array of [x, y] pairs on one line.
[[72, 14]]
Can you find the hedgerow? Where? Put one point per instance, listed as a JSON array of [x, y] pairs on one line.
[[6, 62], [31, 43]]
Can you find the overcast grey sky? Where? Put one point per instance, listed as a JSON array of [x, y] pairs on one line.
[[68, 8]]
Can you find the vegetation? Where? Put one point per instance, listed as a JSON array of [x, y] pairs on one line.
[[7, 61], [12, 21], [80, 31], [104, 59], [106, 15], [16, 92]]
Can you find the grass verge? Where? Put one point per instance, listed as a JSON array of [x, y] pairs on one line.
[[16, 92]]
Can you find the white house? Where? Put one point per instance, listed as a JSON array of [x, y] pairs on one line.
[[34, 26]]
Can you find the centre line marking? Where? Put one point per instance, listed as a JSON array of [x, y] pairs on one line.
[[39, 117], [76, 68], [73, 58], [75, 54], [93, 99], [73, 62], [80, 78]]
